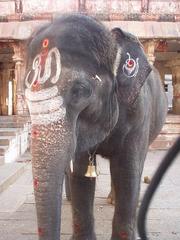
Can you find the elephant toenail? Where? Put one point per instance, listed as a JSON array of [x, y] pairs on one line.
[[40, 232], [123, 235]]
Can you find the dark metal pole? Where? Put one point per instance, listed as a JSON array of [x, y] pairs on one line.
[[165, 164]]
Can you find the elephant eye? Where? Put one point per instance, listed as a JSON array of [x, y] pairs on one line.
[[80, 90]]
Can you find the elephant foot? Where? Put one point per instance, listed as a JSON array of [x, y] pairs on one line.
[[84, 237], [123, 238], [125, 235], [111, 198]]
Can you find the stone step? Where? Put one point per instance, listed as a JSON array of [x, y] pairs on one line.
[[10, 172], [161, 144], [167, 137], [1, 160], [163, 141], [17, 193], [10, 125], [3, 149], [13, 142], [169, 133], [5, 140], [171, 129], [173, 119], [172, 124], [14, 118], [9, 131], [14, 135]]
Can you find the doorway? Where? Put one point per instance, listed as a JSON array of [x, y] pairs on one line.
[[7, 83], [168, 86]]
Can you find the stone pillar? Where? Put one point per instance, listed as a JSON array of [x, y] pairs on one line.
[[175, 69], [19, 58], [81, 5], [149, 48]]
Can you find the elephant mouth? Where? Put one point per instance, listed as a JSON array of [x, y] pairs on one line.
[[45, 106]]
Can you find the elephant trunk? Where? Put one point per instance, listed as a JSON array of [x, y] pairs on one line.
[[50, 156]]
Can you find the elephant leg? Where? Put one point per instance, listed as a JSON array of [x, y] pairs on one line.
[[83, 189], [126, 176]]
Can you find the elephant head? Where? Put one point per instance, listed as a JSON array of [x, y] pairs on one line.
[[79, 75]]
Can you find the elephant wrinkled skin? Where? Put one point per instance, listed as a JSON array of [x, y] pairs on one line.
[[89, 91]]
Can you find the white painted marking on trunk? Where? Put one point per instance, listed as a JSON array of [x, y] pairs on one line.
[[52, 117], [57, 55], [46, 106], [42, 94]]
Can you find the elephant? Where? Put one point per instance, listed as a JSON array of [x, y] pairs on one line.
[[89, 91]]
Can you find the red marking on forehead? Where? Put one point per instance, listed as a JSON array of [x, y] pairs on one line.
[[45, 43], [35, 83], [35, 86]]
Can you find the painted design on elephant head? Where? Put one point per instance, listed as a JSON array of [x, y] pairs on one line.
[[41, 95], [45, 43], [131, 66], [45, 104], [43, 61]]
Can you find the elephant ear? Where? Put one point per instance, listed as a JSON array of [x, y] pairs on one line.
[[131, 66]]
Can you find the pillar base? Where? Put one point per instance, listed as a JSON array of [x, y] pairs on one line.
[[176, 105], [175, 67]]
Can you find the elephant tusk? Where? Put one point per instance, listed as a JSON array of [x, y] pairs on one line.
[[97, 77], [71, 166], [117, 61]]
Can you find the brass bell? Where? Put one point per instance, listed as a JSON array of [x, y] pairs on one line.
[[91, 171]]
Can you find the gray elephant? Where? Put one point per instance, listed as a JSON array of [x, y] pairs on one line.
[[89, 91]]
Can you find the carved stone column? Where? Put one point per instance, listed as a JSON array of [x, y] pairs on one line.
[[175, 68], [81, 5], [19, 58], [149, 48]]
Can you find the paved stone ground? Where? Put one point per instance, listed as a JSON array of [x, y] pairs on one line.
[[17, 208]]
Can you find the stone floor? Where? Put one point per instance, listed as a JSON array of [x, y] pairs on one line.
[[17, 208]]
